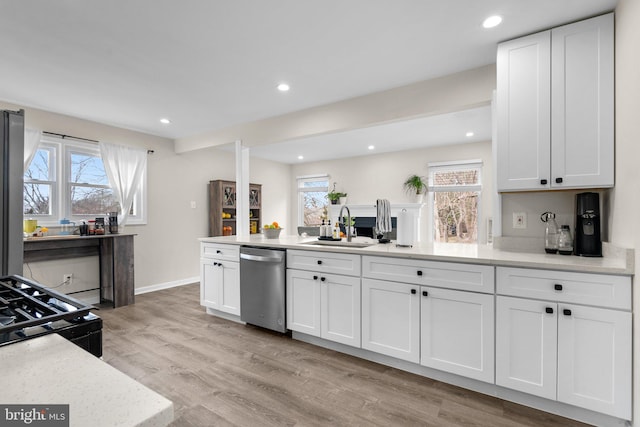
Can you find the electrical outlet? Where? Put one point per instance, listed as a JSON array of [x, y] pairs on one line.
[[519, 220], [67, 278]]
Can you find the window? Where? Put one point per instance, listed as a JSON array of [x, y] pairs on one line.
[[312, 199], [40, 183], [455, 190], [67, 180]]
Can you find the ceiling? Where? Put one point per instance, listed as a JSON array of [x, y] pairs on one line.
[[211, 64]]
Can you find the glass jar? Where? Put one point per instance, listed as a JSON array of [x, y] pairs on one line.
[[550, 232], [565, 241]]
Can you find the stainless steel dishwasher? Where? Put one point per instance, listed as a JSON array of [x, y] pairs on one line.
[[262, 287]]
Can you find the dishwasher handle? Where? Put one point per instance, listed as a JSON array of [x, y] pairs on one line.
[[260, 258]]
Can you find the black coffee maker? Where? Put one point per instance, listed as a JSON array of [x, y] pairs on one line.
[[588, 240]]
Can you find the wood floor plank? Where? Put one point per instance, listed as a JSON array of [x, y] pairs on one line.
[[221, 373]]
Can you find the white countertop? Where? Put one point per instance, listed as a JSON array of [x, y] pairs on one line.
[[614, 262], [52, 370]]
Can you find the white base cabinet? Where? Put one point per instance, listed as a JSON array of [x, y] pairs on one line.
[[559, 350], [324, 305], [457, 332], [391, 319], [220, 278], [526, 345], [594, 359]]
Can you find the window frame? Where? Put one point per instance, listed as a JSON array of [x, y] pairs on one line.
[[459, 165], [61, 191], [54, 148], [301, 190]]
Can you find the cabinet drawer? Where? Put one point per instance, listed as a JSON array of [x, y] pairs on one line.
[[324, 262], [451, 275], [220, 251], [579, 288]]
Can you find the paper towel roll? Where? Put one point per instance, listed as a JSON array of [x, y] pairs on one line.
[[406, 228]]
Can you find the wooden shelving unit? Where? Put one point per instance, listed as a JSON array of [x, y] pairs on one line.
[[222, 207]]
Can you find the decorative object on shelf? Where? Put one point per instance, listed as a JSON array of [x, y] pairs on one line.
[[222, 208], [335, 196], [416, 186]]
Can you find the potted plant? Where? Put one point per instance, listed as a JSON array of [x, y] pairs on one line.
[[416, 186], [334, 195]]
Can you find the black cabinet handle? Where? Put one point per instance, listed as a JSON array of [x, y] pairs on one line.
[[413, 291], [425, 293], [315, 277], [549, 310], [558, 180], [419, 272], [566, 312], [319, 262], [218, 251], [543, 181], [323, 279], [557, 287]]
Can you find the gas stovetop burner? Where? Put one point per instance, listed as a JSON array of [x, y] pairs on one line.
[[24, 303]]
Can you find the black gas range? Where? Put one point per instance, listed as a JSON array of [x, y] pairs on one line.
[[29, 310]]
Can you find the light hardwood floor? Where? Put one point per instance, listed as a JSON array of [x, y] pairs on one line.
[[220, 373]]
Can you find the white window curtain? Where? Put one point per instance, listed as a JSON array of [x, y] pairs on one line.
[[31, 142], [124, 167]]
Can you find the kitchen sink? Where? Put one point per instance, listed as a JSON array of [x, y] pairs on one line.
[[343, 243]]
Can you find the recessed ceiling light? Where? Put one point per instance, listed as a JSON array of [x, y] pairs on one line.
[[165, 121], [492, 21], [283, 87], [469, 134], [300, 157], [371, 147]]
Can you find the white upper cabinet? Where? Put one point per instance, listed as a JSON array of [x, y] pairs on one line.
[[555, 108], [524, 112]]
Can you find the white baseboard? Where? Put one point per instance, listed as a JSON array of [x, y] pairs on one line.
[[167, 285]]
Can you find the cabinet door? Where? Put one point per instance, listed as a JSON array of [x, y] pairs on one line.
[[526, 345], [303, 302], [210, 282], [391, 319], [340, 309], [230, 287], [457, 332], [594, 359], [582, 121], [524, 113]]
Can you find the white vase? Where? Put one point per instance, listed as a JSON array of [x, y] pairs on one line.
[[419, 198]]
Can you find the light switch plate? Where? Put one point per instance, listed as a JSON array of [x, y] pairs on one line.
[[193, 204], [519, 220]]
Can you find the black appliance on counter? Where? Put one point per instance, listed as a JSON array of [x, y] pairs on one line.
[[588, 240], [29, 310]]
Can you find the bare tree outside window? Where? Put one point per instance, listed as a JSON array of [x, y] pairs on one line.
[[313, 202], [89, 186], [38, 184], [456, 192]]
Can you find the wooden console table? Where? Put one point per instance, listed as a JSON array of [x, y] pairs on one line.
[[114, 252]]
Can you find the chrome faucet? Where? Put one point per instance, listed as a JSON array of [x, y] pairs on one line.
[[347, 228]]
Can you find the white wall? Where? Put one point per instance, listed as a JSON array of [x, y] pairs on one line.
[[533, 204], [625, 198], [380, 176], [166, 248]]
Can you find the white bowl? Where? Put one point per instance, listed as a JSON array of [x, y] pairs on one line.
[[271, 233]]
